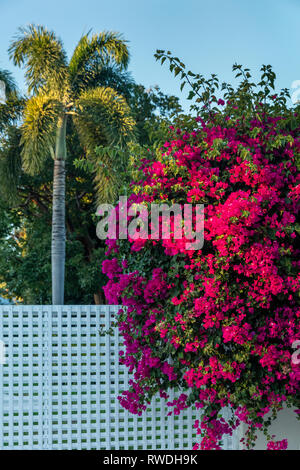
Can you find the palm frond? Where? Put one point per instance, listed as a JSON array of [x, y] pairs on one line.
[[11, 110], [110, 170], [107, 181], [103, 117], [42, 54], [11, 104], [9, 84], [41, 115], [109, 75], [10, 163], [99, 48]]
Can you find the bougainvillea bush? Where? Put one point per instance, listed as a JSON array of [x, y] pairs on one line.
[[217, 324]]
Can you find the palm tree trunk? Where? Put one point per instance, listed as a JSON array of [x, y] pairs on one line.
[[98, 298], [58, 216]]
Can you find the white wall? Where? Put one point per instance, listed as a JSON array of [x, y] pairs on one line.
[[286, 426]]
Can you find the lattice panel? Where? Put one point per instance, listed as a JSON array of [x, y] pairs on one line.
[[60, 382]]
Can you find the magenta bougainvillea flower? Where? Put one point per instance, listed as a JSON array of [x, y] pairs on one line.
[[218, 323]]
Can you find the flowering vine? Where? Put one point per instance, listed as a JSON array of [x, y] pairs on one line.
[[217, 323]]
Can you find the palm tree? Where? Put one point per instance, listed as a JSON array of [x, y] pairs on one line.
[[60, 90]]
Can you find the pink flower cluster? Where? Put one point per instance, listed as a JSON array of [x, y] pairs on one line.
[[278, 445], [218, 323]]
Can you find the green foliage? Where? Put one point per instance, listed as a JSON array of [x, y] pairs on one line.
[[152, 111], [101, 104], [248, 99], [82, 90], [10, 163], [10, 107], [10, 85], [25, 248], [25, 266]]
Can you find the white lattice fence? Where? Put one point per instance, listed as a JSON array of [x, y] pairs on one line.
[[60, 382]]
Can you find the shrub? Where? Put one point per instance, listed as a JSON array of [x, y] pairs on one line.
[[217, 324]]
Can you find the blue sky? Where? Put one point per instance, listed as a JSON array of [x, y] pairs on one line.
[[209, 36]]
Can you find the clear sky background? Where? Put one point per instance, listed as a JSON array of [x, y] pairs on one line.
[[208, 35]]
